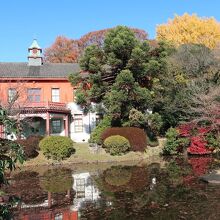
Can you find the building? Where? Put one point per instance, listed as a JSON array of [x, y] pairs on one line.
[[41, 96]]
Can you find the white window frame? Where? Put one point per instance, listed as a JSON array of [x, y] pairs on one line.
[[55, 94], [78, 123]]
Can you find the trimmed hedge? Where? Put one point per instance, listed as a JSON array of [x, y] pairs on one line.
[[116, 145], [136, 136], [30, 146], [57, 147]]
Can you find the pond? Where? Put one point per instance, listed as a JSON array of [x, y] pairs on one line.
[[168, 190]]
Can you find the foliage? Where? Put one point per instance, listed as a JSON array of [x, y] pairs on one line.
[[95, 136], [136, 136], [174, 144], [57, 147], [65, 50], [30, 146], [10, 154], [35, 140], [29, 150], [10, 151], [61, 51], [212, 140], [136, 118], [190, 29], [155, 122], [116, 145], [190, 70], [57, 180], [121, 74]]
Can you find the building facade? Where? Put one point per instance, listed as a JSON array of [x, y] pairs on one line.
[[40, 95]]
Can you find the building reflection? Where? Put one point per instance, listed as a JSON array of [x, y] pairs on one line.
[[57, 205], [85, 189]]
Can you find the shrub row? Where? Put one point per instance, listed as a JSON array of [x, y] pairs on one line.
[[136, 136]]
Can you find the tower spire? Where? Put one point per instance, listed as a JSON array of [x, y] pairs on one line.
[[35, 54]]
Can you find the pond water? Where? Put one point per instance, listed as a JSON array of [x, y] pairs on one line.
[[168, 190]]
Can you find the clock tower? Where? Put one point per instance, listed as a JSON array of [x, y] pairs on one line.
[[35, 54]]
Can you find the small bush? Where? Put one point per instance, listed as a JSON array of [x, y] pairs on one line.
[[95, 136], [174, 144], [30, 146], [29, 150], [34, 140], [212, 141], [116, 145], [57, 147], [171, 144], [136, 136]]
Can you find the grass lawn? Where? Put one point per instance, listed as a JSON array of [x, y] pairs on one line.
[[83, 154]]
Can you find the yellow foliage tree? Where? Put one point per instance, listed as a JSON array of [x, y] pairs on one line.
[[190, 29]]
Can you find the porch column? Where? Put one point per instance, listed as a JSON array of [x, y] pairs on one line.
[[48, 124], [67, 126]]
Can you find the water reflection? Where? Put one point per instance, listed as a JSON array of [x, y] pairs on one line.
[[171, 191]]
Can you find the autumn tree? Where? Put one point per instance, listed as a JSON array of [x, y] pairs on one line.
[[190, 29], [63, 50], [121, 74], [98, 37]]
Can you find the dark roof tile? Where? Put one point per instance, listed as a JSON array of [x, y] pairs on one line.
[[47, 70]]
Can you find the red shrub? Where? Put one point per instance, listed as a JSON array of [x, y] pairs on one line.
[[198, 146], [136, 136], [30, 146], [185, 130], [197, 136]]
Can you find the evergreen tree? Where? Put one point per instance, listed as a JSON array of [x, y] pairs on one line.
[[120, 74]]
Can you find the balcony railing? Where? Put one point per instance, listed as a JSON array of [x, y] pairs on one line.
[[45, 105]]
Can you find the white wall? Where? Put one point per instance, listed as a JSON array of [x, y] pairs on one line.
[[89, 121]]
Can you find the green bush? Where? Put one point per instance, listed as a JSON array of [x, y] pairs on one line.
[[116, 145], [212, 140], [57, 147], [95, 136], [174, 144]]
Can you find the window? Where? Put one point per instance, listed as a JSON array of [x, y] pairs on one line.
[[56, 126], [80, 188], [55, 95], [12, 95], [34, 95], [78, 123]]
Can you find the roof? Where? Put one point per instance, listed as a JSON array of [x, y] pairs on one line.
[[47, 70], [34, 45]]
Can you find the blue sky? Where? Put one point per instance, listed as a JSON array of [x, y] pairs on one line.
[[23, 20]]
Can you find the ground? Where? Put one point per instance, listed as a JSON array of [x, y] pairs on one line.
[[85, 154]]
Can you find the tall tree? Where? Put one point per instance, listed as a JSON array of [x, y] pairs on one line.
[[190, 29], [121, 73], [188, 64], [63, 50]]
